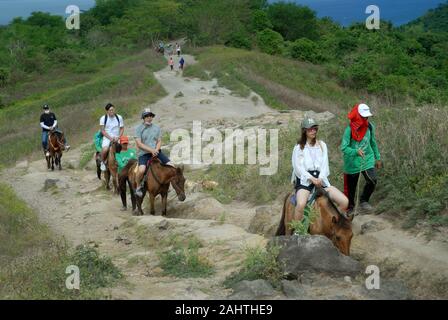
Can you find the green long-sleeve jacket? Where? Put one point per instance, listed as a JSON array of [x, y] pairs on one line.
[[353, 163]]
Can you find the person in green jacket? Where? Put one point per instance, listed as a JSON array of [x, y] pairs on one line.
[[125, 155], [361, 155]]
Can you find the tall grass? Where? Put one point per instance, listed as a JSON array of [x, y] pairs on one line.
[[33, 261], [283, 83]]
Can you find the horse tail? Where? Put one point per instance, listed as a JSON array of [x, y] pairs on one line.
[[98, 164], [281, 230]]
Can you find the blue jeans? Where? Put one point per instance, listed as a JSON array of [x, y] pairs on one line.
[[143, 160], [45, 140]]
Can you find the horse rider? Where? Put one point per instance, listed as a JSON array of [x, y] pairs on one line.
[[149, 142], [112, 128], [48, 122], [125, 154], [361, 155], [311, 169]]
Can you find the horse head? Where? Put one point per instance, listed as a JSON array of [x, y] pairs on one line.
[[178, 183], [338, 225]]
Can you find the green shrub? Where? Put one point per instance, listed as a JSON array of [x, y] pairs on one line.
[[270, 42], [259, 263], [306, 50], [184, 261]]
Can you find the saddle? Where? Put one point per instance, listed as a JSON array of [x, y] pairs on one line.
[[310, 202]]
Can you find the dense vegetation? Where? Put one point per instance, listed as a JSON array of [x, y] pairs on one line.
[[434, 20]]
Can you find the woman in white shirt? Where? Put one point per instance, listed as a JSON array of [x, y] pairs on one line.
[[311, 169]]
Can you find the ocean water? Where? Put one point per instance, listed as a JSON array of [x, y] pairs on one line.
[[9, 9], [348, 11], [343, 11]]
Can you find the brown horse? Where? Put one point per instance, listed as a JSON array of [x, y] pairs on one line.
[[56, 144], [158, 180], [112, 167], [330, 221]]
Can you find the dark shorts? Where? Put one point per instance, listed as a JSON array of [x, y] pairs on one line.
[[143, 160], [310, 188]]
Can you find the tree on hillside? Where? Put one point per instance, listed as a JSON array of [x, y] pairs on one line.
[[293, 21]]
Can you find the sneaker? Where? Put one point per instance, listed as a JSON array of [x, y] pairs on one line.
[[365, 206], [139, 192], [47, 154], [103, 166], [67, 147]]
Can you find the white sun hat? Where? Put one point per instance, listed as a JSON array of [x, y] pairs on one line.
[[364, 110]]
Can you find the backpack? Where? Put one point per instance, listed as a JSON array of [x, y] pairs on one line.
[[116, 116]]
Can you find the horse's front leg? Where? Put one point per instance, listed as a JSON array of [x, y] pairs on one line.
[[164, 202], [151, 202], [289, 216], [107, 179], [52, 163], [115, 182], [60, 161], [133, 200]]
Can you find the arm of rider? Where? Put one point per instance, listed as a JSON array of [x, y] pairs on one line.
[[325, 168], [55, 124], [44, 126], [104, 133], [144, 147], [297, 164]]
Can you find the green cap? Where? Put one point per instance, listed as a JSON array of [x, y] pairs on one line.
[[308, 123]]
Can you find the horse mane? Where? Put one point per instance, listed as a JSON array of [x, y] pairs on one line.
[[343, 222]]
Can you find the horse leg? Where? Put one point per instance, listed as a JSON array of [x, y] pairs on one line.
[[151, 203], [123, 193], [60, 161], [164, 202], [107, 179], [52, 163], [133, 200], [289, 216]]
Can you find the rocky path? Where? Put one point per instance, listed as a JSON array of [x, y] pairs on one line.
[[74, 204]]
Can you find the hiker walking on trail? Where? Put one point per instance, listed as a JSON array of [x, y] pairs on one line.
[[181, 63], [149, 142], [311, 169], [112, 128], [171, 63], [178, 49], [361, 155], [48, 122]]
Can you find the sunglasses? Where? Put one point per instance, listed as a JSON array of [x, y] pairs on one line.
[[313, 129]]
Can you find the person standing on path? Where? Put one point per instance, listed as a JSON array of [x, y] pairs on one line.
[[361, 155], [181, 63], [171, 63]]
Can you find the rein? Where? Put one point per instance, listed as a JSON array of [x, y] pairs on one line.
[[57, 140]]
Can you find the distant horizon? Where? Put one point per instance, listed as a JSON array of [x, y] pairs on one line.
[[344, 12], [11, 9]]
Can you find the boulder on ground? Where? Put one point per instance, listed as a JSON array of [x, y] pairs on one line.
[[312, 253], [265, 221], [252, 290]]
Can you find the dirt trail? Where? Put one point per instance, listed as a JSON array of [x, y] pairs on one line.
[[78, 207]]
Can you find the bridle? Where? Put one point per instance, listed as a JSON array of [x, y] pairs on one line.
[[60, 144], [175, 185]]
